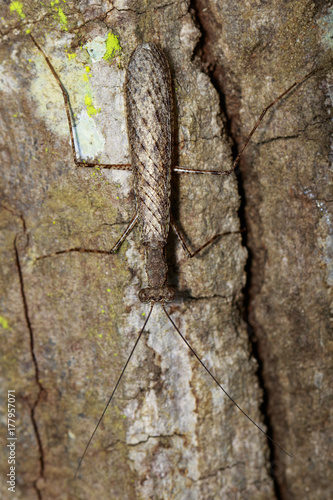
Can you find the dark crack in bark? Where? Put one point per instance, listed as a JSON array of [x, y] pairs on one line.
[[35, 364], [216, 73], [218, 471]]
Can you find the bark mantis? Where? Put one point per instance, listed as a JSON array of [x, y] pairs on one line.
[[156, 266]]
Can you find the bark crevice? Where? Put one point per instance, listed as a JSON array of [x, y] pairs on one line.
[[214, 70], [40, 387]]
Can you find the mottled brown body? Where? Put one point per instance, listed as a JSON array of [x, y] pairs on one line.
[[149, 125]]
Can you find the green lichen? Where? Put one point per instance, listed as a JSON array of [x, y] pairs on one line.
[[87, 74], [4, 323], [96, 48], [91, 110], [17, 7], [112, 46], [62, 19], [78, 76]]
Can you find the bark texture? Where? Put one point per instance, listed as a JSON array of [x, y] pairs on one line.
[[69, 321], [253, 54]]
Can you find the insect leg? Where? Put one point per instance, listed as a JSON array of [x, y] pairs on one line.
[[70, 119], [127, 231], [90, 250], [182, 170], [247, 140], [188, 252]]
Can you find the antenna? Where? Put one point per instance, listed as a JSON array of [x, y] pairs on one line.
[[114, 390], [220, 386]]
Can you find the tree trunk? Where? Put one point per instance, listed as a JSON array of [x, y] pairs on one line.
[[254, 305]]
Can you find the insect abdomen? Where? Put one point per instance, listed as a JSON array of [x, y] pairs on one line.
[[149, 125]]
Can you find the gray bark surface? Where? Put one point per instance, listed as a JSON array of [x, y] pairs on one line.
[[257, 311], [286, 186]]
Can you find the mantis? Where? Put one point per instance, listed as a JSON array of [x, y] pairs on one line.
[[157, 292]]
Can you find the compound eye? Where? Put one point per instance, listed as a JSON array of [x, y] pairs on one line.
[[170, 295], [143, 296]]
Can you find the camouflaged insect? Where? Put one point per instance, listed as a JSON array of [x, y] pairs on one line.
[[149, 127]]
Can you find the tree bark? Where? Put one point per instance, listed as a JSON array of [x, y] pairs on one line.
[[260, 323]]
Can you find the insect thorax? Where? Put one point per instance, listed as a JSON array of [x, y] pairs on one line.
[[157, 270]]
